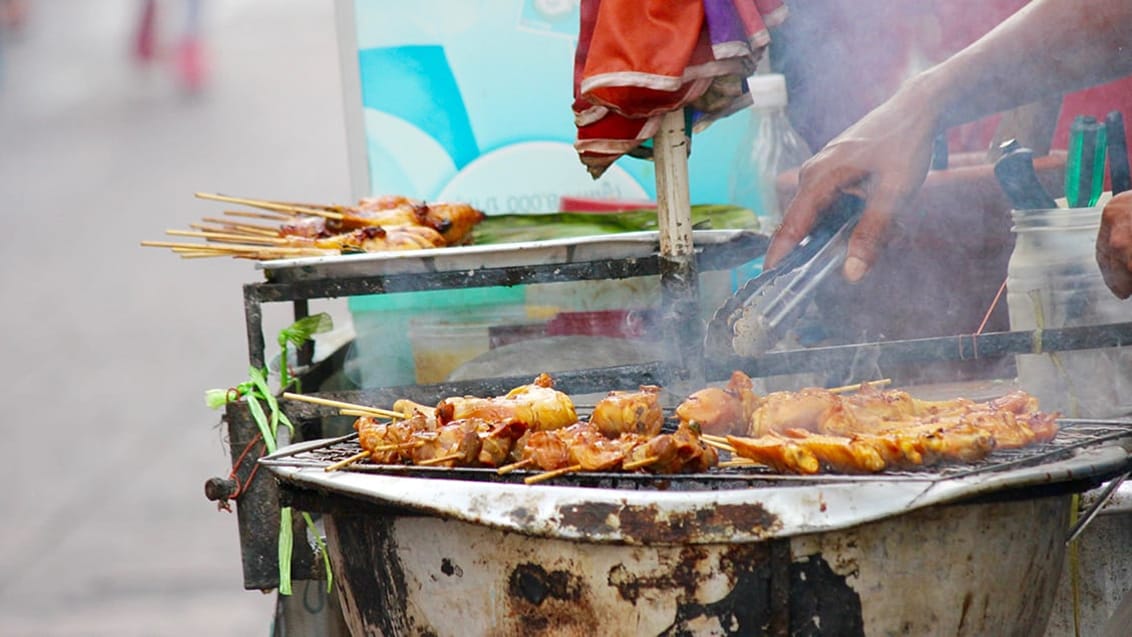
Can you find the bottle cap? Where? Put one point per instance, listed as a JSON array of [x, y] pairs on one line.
[[767, 90]]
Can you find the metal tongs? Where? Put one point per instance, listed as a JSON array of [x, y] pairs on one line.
[[759, 314]]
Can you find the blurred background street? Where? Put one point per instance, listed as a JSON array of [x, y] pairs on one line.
[[110, 346]]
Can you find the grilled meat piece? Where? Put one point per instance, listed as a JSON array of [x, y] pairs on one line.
[[460, 437], [390, 442], [537, 405], [777, 452], [637, 412], [721, 410]]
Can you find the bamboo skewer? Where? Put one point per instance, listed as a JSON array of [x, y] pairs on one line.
[[201, 254], [326, 402], [440, 459], [233, 247], [859, 386], [225, 236], [278, 216], [247, 228], [739, 462], [547, 475], [637, 464], [229, 229], [268, 205], [204, 247], [348, 461], [412, 444], [359, 413], [514, 466], [720, 445]]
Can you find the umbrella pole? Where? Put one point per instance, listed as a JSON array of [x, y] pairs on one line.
[[678, 278]]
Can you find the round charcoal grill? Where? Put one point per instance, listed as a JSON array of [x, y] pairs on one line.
[[737, 551]]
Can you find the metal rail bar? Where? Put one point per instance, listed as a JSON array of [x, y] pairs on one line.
[[708, 258], [941, 348]]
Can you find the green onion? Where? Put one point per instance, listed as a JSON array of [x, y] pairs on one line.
[[286, 542], [256, 389]]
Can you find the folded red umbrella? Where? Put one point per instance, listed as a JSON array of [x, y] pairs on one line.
[[639, 59]]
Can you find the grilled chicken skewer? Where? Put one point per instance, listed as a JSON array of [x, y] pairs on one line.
[[453, 221], [538, 405], [583, 447]]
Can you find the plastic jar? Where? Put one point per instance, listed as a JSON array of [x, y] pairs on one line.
[[1053, 281]]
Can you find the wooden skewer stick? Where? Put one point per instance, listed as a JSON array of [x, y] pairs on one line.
[[360, 413], [326, 402], [412, 444], [200, 247], [348, 461], [431, 461], [546, 475], [637, 464], [739, 462], [201, 255], [720, 445], [197, 247], [320, 206], [859, 386], [270, 216], [233, 247], [225, 236], [515, 466], [244, 226], [239, 228], [267, 205], [203, 227], [712, 438]]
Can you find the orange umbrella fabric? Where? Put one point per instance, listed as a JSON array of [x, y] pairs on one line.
[[638, 59]]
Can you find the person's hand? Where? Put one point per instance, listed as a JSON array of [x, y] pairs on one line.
[[1114, 245], [883, 158]]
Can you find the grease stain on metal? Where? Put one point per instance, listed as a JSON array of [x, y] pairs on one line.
[[449, 568], [556, 601], [685, 576], [654, 524]]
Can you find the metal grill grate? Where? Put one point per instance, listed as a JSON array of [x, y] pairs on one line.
[[1074, 434]]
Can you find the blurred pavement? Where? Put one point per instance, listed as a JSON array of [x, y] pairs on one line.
[[109, 346]]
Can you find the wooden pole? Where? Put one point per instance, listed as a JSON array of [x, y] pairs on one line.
[[678, 276]]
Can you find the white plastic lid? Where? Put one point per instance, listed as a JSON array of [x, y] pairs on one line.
[[767, 89]]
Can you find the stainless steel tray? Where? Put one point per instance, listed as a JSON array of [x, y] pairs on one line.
[[626, 245]]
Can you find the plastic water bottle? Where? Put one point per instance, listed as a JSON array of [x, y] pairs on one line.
[[770, 147]]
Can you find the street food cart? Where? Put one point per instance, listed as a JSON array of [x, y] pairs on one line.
[[966, 549]]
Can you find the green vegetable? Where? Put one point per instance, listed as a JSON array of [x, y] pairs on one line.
[[296, 334], [511, 228], [253, 391]]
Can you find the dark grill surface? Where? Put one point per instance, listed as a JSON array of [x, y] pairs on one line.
[[1073, 435]]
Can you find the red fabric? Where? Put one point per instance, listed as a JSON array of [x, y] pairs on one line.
[[638, 59]]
